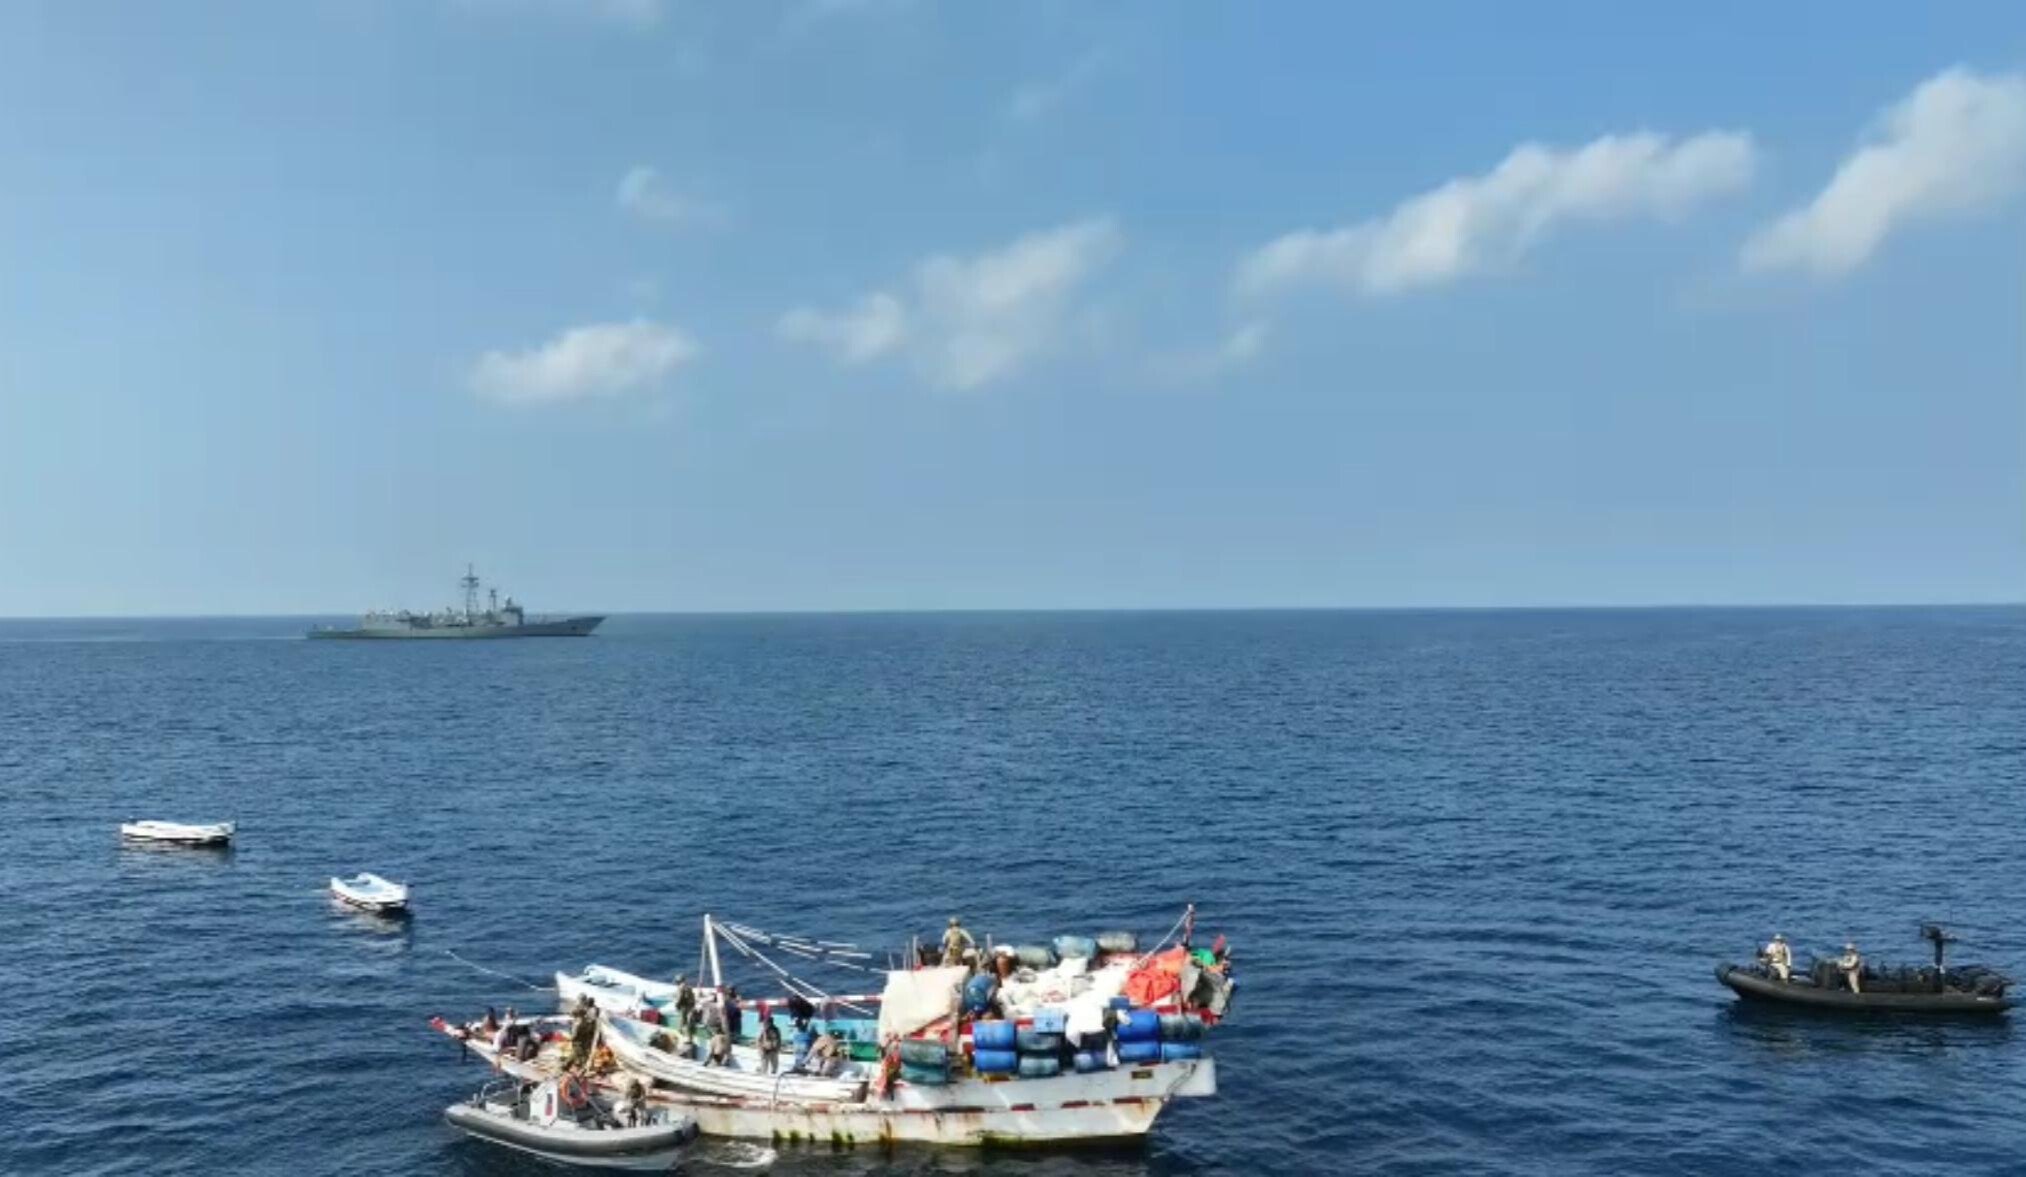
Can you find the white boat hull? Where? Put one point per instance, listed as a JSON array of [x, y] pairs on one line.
[[370, 893], [611, 990], [177, 833], [1069, 1109], [742, 1079]]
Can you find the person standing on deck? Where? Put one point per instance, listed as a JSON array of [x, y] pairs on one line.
[[770, 1046], [955, 941], [1851, 965], [685, 997], [1779, 958]]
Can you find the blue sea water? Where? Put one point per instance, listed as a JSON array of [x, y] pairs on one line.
[[1476, 867]]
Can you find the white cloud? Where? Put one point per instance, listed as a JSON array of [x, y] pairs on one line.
[[1238, 347], [643, 193], [968, 321], [639, 13], [1954, 147], [876, 326], [598, 360], [1478, 223], [1036, 100]]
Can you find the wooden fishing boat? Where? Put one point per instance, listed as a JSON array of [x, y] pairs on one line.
[[633, 1042], [562, 1120], [1112, 1105], [370, 892], [174, 833]]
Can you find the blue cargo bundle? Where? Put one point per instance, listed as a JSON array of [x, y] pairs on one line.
[[1035, 956], [924, 1052], [1035, 1066], [1175, 1052], [978, 993], [1088, 1061], [1140, 1052], [1118, 942], [1051, 1021], [1038, 1042], [925, 1076], [1181, 1027], [1069, 947]]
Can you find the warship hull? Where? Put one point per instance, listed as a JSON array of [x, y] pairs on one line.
[[567, 627]]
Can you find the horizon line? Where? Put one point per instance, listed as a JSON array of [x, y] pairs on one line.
[[893, 611]]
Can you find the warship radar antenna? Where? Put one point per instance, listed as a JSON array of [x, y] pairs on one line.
[[470, 583]]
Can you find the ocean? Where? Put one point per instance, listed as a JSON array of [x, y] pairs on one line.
[[1475, 868]]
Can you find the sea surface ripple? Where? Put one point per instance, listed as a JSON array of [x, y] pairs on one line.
[[1476, 867]]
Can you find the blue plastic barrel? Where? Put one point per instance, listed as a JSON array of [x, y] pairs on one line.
[[1140, 1052], [1092, 1060], [978, 993], [1181, 1027], [1139, 1025], [995, 1062], [994, 1036], [1039, 1067], [1174, 1052], [924, 1052], [1037, 1042]]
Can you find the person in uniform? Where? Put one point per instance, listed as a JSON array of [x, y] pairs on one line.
[[955, 941], [583, 1035], [1851, 965], [1778, 958]]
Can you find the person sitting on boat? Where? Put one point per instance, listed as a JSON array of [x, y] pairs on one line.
[[770, 1046], [955, 941], [822, 1054], [721, 1049], [1778, 958], [490, 1026]]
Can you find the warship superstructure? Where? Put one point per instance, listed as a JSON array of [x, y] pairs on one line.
[[496, 620]]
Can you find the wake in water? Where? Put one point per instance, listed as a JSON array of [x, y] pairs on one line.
[[735, 1154]]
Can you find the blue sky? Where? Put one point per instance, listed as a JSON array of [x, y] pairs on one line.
[[889, 304]]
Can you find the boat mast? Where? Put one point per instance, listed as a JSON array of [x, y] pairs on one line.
[[470, 583], [710, 944]]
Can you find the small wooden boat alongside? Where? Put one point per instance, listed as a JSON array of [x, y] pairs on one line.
[[563, 1120], [634, 1043], [172, 833], [370, 892]]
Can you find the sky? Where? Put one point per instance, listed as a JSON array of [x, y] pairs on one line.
[[890, 304]]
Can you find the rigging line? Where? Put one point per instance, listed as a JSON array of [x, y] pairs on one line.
[[496, 973], [1171, 932], [753, 933], [785, 975]]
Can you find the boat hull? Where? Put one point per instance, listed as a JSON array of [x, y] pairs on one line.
[[1068, 1110], [379, 896], [1803, 994], [176, 834], [567, 627], [605, 1145]]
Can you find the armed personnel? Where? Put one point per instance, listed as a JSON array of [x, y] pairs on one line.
[[1778, 958]]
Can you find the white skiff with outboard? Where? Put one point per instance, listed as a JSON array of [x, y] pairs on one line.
[[562, 1120], [370, 892], [175, 833], [613, 991]]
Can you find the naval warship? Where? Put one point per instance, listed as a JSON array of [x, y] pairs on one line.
[[493, 621]]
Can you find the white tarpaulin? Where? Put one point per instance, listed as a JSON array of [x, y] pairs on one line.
[[916, 998]]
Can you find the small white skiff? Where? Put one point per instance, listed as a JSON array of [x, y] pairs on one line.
[[178, 834], [562, 1121], [611, 990], [370, 892]]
